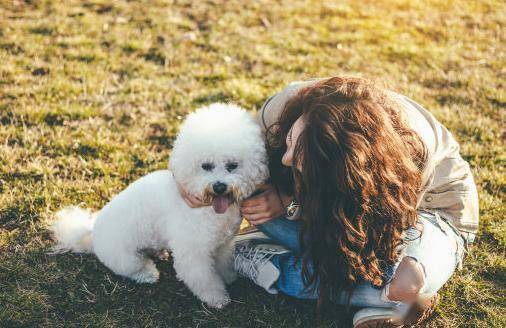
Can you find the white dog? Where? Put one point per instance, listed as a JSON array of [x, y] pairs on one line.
[[218, 155]]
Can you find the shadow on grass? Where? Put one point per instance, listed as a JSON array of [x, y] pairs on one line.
[[38, 288]]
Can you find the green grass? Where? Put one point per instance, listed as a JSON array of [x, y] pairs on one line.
[[91, 95]]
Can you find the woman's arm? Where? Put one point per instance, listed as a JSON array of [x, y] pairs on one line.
[[257, 209]]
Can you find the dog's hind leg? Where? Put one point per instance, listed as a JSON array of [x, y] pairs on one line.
[[134, 266], [224, 262], [195, 267]]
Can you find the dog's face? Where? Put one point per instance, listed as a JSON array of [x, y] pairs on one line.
[[219, 155], [223, 180]]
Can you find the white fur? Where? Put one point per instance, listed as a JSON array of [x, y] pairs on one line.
[[150, 213], [72, 229]]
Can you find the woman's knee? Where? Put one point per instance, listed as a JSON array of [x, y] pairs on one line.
[[434, 257], [408, 281]]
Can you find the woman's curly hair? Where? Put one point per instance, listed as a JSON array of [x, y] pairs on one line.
[[359, 184]]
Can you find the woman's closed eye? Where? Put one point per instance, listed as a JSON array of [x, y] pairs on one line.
[[289, 137]]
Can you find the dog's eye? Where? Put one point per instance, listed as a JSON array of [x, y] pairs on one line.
[[231, 166], [208, 166]]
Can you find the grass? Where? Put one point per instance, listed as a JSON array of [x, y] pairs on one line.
[[92, 92]]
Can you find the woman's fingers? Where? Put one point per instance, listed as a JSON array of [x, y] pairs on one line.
[[257, 218], [253, 209], [186, 197], [261, 221], [254, 201], [193, 201], [262, 207]]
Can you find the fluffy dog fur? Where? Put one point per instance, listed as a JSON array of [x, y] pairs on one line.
[[150, 213]]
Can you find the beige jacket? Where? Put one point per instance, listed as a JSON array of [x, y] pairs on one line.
[[449, 186]]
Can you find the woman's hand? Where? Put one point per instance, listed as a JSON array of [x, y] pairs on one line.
[[265, 206], [192, 200]]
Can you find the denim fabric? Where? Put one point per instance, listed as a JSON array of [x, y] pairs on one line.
[[283, 232], [434, 244]]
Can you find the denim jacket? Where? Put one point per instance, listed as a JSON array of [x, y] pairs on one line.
[[448, 185]]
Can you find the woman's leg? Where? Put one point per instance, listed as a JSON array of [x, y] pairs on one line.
[[438, 250], [434, 250], [290, 283], [429, 261], [282, 231], [254, 250]]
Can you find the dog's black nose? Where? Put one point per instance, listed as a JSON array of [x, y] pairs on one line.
[[219, 187]]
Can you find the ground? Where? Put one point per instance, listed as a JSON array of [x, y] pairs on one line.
[[92, 93]]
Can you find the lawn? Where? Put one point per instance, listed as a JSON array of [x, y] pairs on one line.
[[92, 93]]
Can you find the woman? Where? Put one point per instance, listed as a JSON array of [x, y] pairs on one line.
[[386, 205]]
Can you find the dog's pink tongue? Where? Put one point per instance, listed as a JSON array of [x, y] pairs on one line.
[[220, 204]]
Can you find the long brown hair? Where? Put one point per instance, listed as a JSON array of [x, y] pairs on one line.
[[359, 183]]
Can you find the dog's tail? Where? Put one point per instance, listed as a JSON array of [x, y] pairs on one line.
[[72, 230]]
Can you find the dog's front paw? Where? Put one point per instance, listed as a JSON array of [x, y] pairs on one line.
[[218, 301], [221, 303], [147, 275]]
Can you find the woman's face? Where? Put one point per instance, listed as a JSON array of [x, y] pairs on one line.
[[291, 141]]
